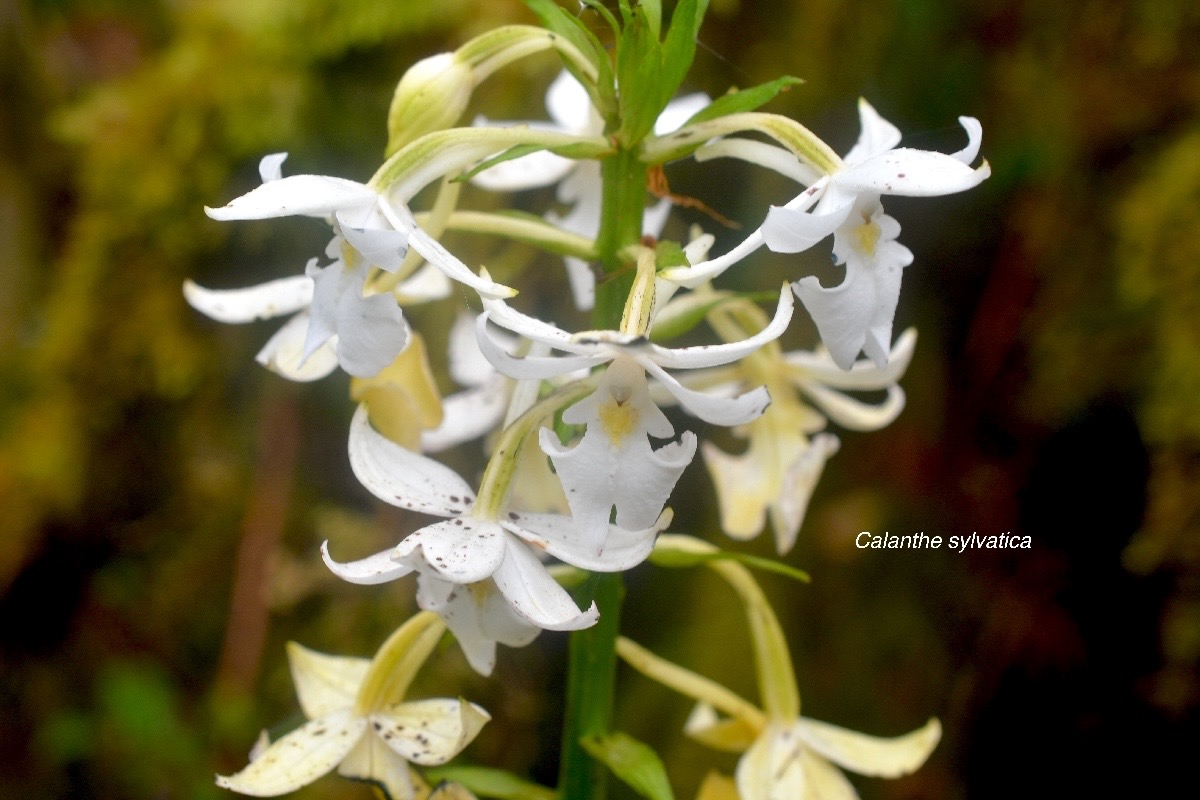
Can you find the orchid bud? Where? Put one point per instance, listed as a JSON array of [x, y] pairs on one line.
[[431, 96]]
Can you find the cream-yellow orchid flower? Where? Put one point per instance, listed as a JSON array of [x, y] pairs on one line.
[[360, 723], [785, 756]]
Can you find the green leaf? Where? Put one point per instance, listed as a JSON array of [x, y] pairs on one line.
[[679, 47], [669, 254], [633, 762], [486, 782], [745, 100], [653, 9], [673, 559], [639, 67], [559, 21]]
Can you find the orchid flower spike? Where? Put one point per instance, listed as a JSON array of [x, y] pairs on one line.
[[360, 723], [579, 183]]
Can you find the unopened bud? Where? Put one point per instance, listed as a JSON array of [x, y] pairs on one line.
[[431, 96]]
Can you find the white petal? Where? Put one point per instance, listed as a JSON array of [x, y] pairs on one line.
[[696, 274], [461, 550], [479, 617], [468, 415], [561, 537], [913, 173], [715, 355], [378, 568], [529, 367], [401, 477], [283, 353], [599, 473], [311, 195], [534, 595], [876, 135], [299, 758], [429, 732], [871, 755], [891, 258], [679, 111], [329, 283], [787, 230], [379, 246], [717, 410], [270, 167], [974, 140], [371, 332], [654, 218], [373, 761], [437, 255], [843, 312], [569, 104], [582, 281], [531, 328], [264, 301], [324, 683], [693, 276], [425, 285], [468, 367]]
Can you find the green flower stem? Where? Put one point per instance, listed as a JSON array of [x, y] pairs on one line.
[[624, 177], [591, 681]]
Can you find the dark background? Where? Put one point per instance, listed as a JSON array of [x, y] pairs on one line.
[[145, 460]]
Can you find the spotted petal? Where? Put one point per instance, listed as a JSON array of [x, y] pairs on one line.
[[429, 732], [460, 550], [299, 758], [404, 478], [534, 595], [562, 538]]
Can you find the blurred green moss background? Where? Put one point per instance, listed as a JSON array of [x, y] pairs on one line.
[[163, 496]]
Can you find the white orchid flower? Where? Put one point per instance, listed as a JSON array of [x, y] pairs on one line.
[[857, 314], [614, 464], [786, 756], [579, 182], [338, 323], [474, 545], [360, 723]]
